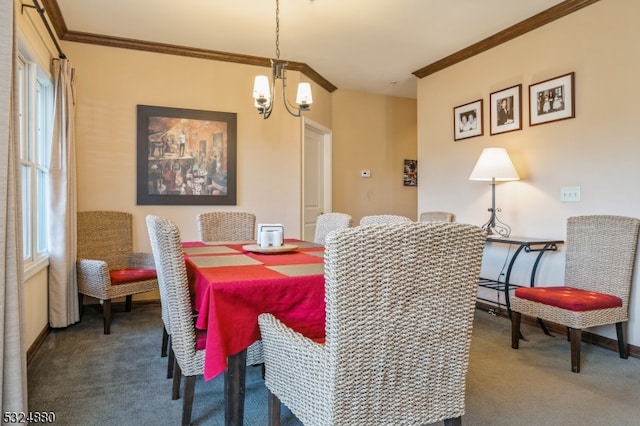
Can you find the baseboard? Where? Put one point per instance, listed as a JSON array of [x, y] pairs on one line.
[[587, 337], [33, 349]]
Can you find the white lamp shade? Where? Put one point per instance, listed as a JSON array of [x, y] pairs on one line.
[[494, 163], [304, 94], [261, 88]]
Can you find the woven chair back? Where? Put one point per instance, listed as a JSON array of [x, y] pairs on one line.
[[601, 253], [167, 251], [400, 302], [226, 226], [328, 222], [435, 216], [383, 218], [106, 236]]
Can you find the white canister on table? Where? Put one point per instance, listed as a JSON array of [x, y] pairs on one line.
[[264, 239], [276, 238]]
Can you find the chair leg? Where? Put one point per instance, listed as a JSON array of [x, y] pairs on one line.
[[81, 304], [106, 313], [187, 405], [177, 377], [576, 341], [456, 421], [127, 303], [274, 410], [622, 345], [171, 359], [516, 318], [165, 342]]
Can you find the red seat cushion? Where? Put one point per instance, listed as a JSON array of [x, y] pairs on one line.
[[124, 276], [572, 299]]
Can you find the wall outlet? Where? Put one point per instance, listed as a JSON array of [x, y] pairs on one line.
[[365, 173], [570, 194]]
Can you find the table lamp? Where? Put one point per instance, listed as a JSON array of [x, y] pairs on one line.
[[494, 165]]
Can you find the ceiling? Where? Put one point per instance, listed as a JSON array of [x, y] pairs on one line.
[[372, 46]]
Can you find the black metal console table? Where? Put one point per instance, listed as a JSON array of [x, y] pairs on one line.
[[528, 245]]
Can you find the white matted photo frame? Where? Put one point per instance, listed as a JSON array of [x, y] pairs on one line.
[[505, 108], [552, 100], [467, 120]]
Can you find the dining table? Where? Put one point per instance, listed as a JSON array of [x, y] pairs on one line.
[[235, 281]]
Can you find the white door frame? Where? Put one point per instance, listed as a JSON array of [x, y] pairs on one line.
[[327, 141]]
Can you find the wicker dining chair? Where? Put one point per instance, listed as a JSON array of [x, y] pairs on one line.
[[600, 258], [398, 356], [226, 226], [187, 343], [436, 216], [215, 226], [106, 265], [383, 218], [328, 222]]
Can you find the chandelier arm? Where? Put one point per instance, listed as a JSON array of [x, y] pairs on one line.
[[288, 105]]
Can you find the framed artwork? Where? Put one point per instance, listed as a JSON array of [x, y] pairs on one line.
[[506, 110], [186, 157], [552, 100], [410, 174], [467, 120]]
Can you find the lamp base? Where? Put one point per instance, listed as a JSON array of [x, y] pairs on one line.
[[494, 227]]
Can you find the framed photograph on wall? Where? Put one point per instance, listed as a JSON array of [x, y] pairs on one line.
[[467, 120], [552, 100], [506, 110], [186, 157]]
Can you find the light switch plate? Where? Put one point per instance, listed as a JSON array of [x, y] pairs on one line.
[[570, 194]]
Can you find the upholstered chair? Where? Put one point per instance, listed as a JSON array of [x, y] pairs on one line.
[[106, 265], [600, 258], [400, 301]]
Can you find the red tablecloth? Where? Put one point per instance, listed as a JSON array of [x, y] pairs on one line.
[[231, 287]]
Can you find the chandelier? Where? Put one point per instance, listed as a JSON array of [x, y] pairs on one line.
[[264, 95]]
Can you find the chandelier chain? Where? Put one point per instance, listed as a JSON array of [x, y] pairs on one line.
[[277, 29]]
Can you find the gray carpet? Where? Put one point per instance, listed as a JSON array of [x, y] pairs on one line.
[[88, 378]]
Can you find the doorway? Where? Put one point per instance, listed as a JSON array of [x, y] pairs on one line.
[[316, 175]]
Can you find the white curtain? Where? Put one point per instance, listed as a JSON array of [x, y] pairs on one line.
[[13, 383], [63, 284]]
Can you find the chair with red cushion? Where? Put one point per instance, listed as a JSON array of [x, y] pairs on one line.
[[600, 257], [107, 267]]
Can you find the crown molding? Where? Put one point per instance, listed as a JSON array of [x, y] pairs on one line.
[[553, 13], [63, 33], [523, 27]]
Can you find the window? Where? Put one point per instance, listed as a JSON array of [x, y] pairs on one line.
[[35, 112]]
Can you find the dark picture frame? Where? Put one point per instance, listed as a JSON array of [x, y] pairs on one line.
[[506, 110], [468, 120], [410, 173], [186, 156], [552, 100]]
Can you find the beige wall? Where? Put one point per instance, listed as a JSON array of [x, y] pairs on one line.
[[375, 133], [598, 150], [111, 82]]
